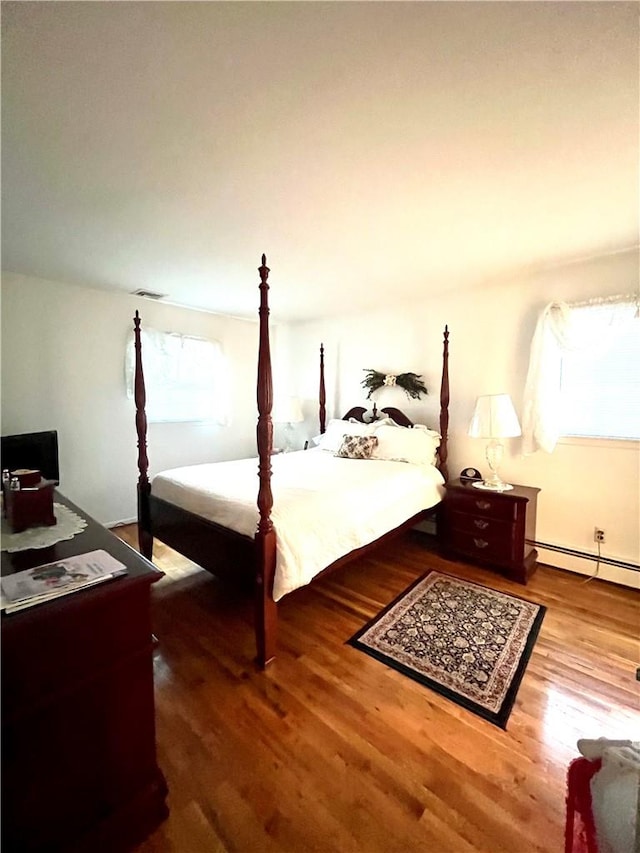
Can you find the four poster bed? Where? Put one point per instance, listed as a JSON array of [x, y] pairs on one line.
[[330, 507]]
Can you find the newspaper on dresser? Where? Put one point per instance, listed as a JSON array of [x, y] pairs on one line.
[[52, 580]]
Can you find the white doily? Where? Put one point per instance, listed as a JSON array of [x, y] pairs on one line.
[[69, 525]]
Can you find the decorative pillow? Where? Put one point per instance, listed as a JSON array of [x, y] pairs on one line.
[[417, 446], [331, 439], [357, 446]]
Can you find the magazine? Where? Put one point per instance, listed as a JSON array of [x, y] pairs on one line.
[[43, 583]]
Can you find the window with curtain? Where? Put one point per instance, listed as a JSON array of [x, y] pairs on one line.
[[584, 373], [600, 384], [186, 378]]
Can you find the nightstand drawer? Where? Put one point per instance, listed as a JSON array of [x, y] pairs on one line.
[[480, 525], [477, 502], [497, 549]]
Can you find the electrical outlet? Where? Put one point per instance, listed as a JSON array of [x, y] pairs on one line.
[[598, 535]]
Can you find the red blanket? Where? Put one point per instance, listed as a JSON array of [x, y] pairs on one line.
[[580, 830]]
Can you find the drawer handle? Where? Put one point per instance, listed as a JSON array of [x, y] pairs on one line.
[[480, 523], [481, 543], [483, 504]]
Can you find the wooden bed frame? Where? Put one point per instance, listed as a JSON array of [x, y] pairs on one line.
[[224, 552]]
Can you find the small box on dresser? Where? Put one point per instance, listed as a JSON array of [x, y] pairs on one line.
[[31, 506], [491, 527]]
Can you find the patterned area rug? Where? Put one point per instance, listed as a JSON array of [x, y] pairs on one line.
[[465, 641]]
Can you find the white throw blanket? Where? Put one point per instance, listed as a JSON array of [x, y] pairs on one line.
[[615, 793], [323, 506]]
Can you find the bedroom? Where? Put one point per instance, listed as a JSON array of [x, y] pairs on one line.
[[71, 334]]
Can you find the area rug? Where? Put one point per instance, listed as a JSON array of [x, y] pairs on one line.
[[465, 641]]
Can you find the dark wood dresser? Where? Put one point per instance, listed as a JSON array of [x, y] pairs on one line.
[[496, 528], [79, 769]]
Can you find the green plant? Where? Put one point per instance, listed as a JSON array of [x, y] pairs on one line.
[[411, 383]]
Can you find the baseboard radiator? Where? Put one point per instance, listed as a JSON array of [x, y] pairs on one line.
[[587, 555]]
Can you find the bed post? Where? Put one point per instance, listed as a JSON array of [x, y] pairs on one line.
[[444, 406], [265, 540], [322, 397], [145, 538]]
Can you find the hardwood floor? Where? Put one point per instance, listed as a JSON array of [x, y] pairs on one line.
[[329, 750]]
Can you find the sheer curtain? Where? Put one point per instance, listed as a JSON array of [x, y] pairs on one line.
[[186, 378], [562, 328]]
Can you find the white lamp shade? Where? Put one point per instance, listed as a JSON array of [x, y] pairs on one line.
[[287, 410], [494, 417]]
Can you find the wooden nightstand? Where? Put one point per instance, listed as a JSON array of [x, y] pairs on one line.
[[497, 528]]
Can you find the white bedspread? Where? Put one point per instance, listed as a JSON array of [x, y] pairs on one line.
[[323, 506]]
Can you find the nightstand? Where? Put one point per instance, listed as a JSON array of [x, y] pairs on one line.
[[496, 528]]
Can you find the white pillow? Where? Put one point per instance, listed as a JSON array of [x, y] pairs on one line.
[[336, 431], [391, 422], [417, 446], [385, 422], [426, 429]]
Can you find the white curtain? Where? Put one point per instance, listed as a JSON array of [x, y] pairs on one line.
[[562, 328], [186, 378]]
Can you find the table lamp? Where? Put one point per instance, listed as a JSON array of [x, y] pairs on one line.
[[288, 411], [495, 418]]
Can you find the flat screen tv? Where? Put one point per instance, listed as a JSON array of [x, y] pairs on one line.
[[32, 450]]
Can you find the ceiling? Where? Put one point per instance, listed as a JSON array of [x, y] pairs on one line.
[[373, 150]]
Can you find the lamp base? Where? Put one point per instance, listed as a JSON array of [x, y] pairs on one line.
[[492, 487], [494, 453], [287, 446]]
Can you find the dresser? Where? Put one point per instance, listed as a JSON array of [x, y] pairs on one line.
[[494, 528], [79, 769]]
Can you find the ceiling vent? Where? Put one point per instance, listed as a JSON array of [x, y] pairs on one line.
[[149, 294]]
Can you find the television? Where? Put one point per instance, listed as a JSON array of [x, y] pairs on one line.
[[32, 450]]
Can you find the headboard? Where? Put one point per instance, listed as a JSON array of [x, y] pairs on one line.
[[359, 412]]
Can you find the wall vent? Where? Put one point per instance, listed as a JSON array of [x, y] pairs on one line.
[[149, 294]]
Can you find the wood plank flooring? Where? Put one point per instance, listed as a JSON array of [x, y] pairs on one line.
[[329, 750]]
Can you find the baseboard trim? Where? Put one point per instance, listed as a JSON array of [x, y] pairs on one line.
[[587, 555], [111, 524]]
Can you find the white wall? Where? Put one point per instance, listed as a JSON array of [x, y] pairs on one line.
[[63, 368], [583, 483]]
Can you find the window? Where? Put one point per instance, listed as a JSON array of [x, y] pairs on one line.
[[185, 377], [600, 384], [584, 374]]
